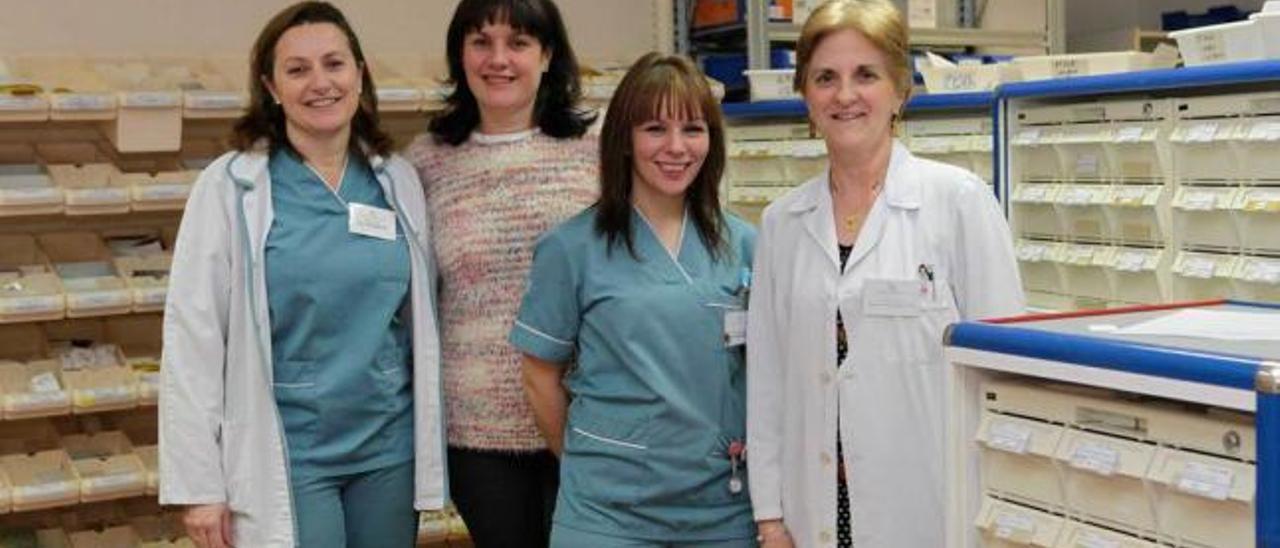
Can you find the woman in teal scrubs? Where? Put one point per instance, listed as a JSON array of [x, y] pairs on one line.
[[644, 294]]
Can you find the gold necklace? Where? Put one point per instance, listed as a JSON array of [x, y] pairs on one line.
[[853, 221]]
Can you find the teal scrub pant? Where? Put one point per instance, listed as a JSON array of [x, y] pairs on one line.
[[568, 537], [371, 509]]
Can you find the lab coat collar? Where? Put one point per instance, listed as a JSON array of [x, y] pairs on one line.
[[901, 191]]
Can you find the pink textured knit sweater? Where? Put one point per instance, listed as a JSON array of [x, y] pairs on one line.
[[489, 199]]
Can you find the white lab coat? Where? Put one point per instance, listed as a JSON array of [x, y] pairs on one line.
[[221, 437], [891, 390]]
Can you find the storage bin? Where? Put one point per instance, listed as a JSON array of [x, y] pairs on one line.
[[35, 388], [967, 78], [148, 455], [1258, 279], [1257, 209], [1260, 149], [106, 465], [1017, 459], [29, 290], [90, 188], [1202, 216], [1141, 275], [1133, 154], [84, 265], [1204, 152], [749, 201], [40, 480], [808, 159], [1104, 480], [758, 162], [1081, 209], [26, 189], [138, 337], [1202, 499], [1203, 275], [161, 191], [772, 84], [948, 149], [113, 537], [1138, 214], [1033, 210], [1085, 267], [1005, 525], [1034, 156], [1082, 535], [16, 107], [1222, 43], [1037, 264], [1083, 153]]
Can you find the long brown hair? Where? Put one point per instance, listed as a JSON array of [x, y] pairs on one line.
[[655, 85], [265, 119]]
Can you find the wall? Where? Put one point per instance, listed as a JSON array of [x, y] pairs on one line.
[[1086, 19]]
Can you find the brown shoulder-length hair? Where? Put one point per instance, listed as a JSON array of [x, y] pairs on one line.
[[265, 119], [659, 84]]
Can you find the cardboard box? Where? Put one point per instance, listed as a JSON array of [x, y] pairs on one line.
[[89, 278], [107, 466], [29, 290]]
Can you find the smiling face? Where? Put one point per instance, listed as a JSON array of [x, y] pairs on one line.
[[667, 153], [316, 80], [504, 69], [849, 92]]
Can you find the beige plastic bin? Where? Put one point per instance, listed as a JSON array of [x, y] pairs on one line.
[[1204, 500], [1005, 525], [1104, 479], [1017, 459]]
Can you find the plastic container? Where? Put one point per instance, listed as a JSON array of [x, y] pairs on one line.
[[1041, 67], [1203, 275], [1017, 459], [1005, 525], [1222, 43], [1103, 478], [1204, 499], [772, 84], [1203, 216], [1138, 213]]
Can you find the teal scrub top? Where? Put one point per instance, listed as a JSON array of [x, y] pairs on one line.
[[340, 347], [656, 395]]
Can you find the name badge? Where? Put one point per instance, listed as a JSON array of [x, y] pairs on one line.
[[902, 298], [374, 222], [735, 328]]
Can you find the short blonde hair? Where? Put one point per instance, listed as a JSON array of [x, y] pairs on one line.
[[879, 20]]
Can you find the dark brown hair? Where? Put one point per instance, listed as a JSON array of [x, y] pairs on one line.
[[555, 109], [265, 119], [659, 84]]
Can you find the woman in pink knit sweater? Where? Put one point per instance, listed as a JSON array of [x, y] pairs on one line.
[[509, 158]]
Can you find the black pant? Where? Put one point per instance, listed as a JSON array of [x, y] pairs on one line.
[[506, 499]]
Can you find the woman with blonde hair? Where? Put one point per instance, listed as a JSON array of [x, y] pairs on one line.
[[858, 272]]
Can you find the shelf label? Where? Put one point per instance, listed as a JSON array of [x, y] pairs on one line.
[[151, 99], [1201, 133], [1090, 539], [1198, 267], [105, 395], [36, 400], [162, 192], [21, 102], [150, 295], [1198, 200], [1087, 164], [98, 299], [1033, 193], [1010, 524], [1130, 261], [1210, 45], [1009, 437], [1131, 134], [1261, 272], [45, 491], [115, 481], [83, 101], [1206, 480], [1027, 137], [30, 196], [1095, 457], [1080, 255], [1265, 131], [399, 95], [1262, 201], [1079, 195], [1067, 67], [1133, 195], [29, 305], [97, 196], [215, 100], [1032, 253]]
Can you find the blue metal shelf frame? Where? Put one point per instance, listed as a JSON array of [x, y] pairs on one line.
[[1175, 363]]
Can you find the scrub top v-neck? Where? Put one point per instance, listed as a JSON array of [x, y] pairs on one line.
[[340, 347], [657, 394]]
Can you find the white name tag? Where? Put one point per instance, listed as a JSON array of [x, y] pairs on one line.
[[893, 297], [374, 222], [735, 328]]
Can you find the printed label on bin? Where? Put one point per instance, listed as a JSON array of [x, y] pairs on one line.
[[1262, 201], [1009, 437], [213, 100], [1079, 196], [107, 395], [21, 102], [1202, 200], [1130, 261], [1198, 267], [1206, 480], [31, 305], [399, 95], [114, 481], [1027, 137], [150, 296], [1032, 253], [1080, 255], [1265, 131], [151, 99], [97, 196], [29, 196], [44, 491], [1032, 193], [20, 402], [1095, 457], [1090, 539], [1260, 271], [1129, 134], [1135, 195], [164, 192], [1010, 525], [83, 101], [1210, 46], [97, 299], [1201, 133]]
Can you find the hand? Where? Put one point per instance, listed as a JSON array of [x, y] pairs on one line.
[[774, 534], [209, 525]]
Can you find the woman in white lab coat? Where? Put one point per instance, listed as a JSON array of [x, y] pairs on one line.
[[300, 397], [857, 274]]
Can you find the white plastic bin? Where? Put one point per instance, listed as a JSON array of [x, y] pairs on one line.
[[1037, 262], [758, 162], [1139, 213], [1005, 525], [1017, 459], [1085, 267], [807, 160], [1260, 149], [1141, 275], [1257, 209], [1258, 279], [1104, 479], [1084, 157], [1082, 535], [1202, 216], [771, 84], [1204, 500], [1033, 211], [1203, 275], [1033, 155], [1133, 153], [1081, 209], [1221, 43], [1204, 152]]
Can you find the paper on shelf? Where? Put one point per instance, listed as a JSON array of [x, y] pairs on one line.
[[1227, 325]]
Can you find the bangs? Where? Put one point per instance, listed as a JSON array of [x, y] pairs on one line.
[[524, 17], [668, 92]]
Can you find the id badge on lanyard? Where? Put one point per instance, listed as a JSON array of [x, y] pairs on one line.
[[735, 319]]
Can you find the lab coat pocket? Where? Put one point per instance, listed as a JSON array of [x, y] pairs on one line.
[[296, 395], [903, 321]]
